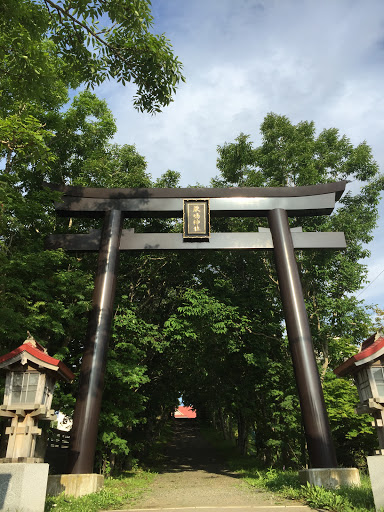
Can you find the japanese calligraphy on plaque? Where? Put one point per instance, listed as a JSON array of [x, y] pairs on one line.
[[196, 220]]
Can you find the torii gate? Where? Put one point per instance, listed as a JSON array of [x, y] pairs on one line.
[[196, 205]]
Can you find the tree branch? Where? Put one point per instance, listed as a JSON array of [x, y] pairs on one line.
[[60, 10]]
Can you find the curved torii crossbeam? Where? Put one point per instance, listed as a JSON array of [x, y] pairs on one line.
[[277, 204]]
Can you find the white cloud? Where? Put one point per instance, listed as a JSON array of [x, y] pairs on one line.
[[309, 60]]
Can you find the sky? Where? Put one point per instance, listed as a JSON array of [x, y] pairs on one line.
[[320, 61]]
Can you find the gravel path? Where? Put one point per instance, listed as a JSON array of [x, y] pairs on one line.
[[193, 477]]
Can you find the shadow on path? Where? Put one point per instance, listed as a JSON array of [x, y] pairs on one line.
[[189, 451], [192, 476]]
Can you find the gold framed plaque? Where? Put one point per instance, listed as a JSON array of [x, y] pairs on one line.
[[196, 220]]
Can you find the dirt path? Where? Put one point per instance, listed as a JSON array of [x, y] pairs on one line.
[[193, 477]]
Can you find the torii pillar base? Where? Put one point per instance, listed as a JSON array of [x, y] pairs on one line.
[[74, 485], [330, 478]]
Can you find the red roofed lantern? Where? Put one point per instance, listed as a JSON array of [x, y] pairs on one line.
[[30, 379], [367, 368]]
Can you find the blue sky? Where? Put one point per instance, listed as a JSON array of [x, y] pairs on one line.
[[321, 61]]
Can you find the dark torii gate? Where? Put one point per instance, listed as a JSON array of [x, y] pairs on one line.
[[196, 205]]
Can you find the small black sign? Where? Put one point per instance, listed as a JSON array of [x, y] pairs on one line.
[[196, 220]]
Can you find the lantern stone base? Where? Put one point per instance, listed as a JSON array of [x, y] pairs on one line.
[[330, 478], [28, 460], [23, 486], [74, 485], [376, 474]]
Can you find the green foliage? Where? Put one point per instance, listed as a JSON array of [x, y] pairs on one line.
[[49, 292], [323, 498], [44, 41], [31, 68], [293, 155], [353, 434], [31, 277]]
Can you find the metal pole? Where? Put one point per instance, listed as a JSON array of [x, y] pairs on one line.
[[88, 403], [315, 418]]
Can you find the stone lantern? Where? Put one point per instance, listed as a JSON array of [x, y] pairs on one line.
[[367, 368], [31, 375]]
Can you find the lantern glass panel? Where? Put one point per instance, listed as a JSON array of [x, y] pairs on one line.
[[378, 375], [24, 387], [48, 390], [17, 383], [363, 385]]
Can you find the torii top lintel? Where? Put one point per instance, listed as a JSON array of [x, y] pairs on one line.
[[224, 202]]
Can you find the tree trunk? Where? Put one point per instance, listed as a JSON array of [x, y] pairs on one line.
[[242, 433], [222, 423]]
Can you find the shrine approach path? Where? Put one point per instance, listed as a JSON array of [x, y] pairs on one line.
[[194, 477]]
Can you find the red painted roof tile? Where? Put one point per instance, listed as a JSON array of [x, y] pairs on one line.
[[369, 347], [42, 356]]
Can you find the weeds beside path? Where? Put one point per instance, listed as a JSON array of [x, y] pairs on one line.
[[116, 493]]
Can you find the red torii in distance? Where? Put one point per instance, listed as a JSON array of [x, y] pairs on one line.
[[277, 204], [183, 412]]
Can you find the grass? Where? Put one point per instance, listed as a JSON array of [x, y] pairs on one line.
[[116, 493], [287, 485], [119, 491]]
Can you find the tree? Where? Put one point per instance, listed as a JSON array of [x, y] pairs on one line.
[[49, 292], [292, 155], [29, 275], [46, 48], [43, 52], [44, 40]]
